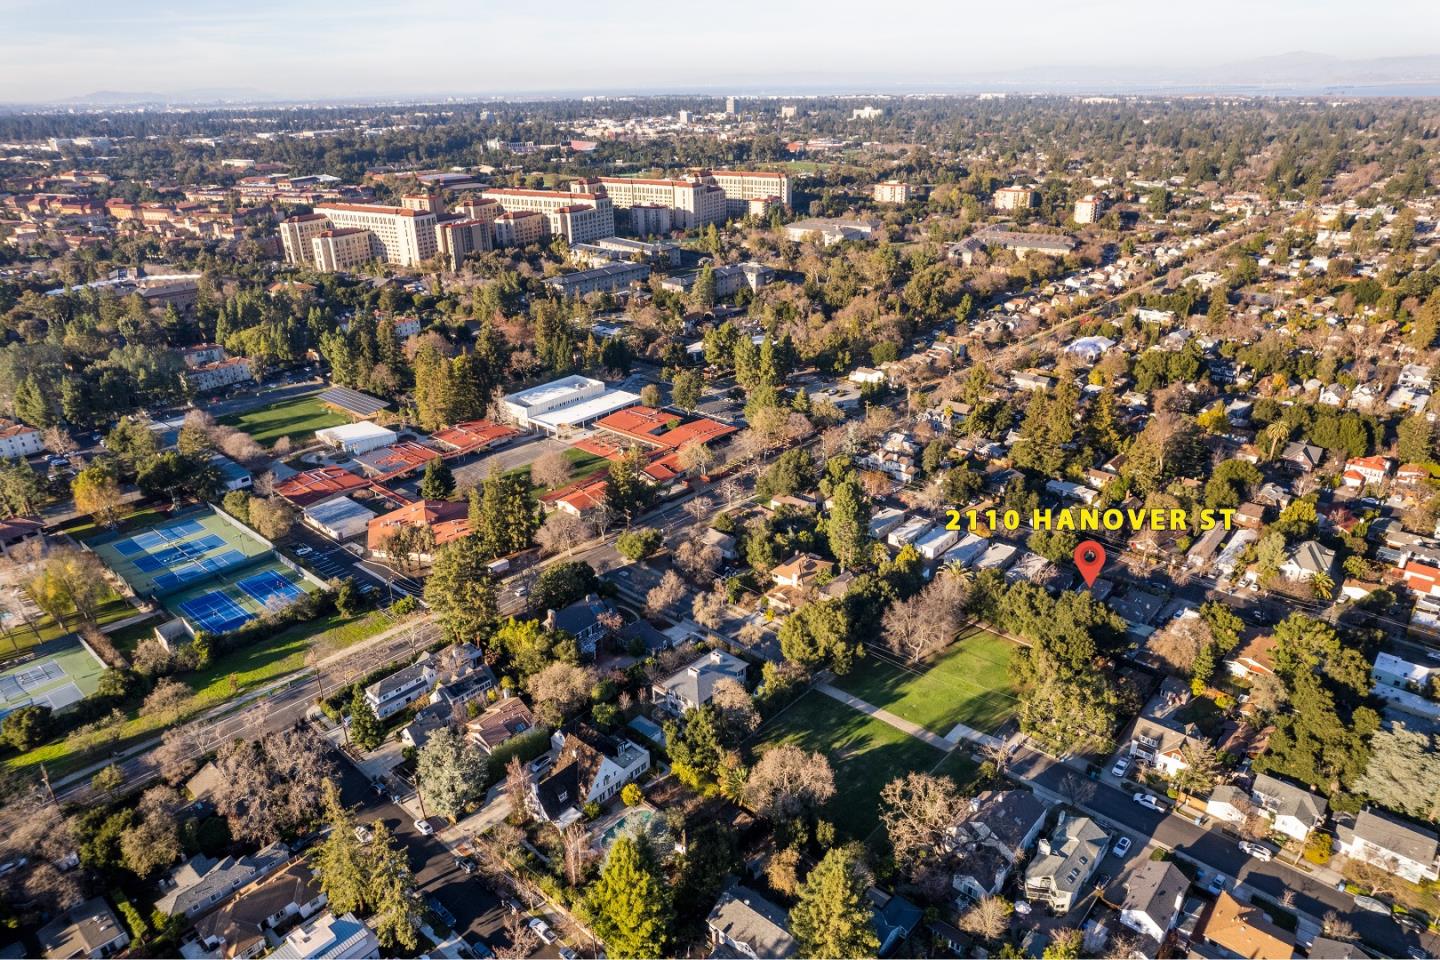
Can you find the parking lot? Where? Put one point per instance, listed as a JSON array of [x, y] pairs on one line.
[[328, 560]]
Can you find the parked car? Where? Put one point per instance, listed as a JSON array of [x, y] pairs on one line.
[[424, 827], [542, 930], [1257, 850], [567, 954], [1409, 922], [1121, 766], [466, 865], [1371, 904], [364, 834], [1150, 802], [1122, 846], [304, 551]]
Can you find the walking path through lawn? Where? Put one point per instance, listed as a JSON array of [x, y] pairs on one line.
[[946, 743]]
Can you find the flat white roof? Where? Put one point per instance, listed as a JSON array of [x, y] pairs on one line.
[[363, 430], [554, 390], [607, 402], [337, 511]]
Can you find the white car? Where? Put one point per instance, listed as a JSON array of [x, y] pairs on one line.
[[363, 834], [1257, 850], [1121, 766], [304, 551], [424, 827], [542, 929], [1150, 802], [1122, 846]]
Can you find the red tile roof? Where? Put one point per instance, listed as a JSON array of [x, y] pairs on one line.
[[448, 519], [319, 484], [473, 435]]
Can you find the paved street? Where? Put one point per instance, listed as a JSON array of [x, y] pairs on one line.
[[1209, 848]]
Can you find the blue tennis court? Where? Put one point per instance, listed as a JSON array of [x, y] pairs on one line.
[[214, 612], [196, 570], [268, 585], [178, 553]]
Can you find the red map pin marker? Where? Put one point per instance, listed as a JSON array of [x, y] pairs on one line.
[[1089, 557]]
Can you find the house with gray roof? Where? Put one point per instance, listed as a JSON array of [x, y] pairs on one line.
[[1400, 848], [692, 687], [1308, 560], [1153, 897], [389, 695], [89, 929], [746, 923], [202, 882], [1065, 861], [991, 836], [1293, 811]]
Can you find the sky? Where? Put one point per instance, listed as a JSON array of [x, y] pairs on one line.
[[313, 49]]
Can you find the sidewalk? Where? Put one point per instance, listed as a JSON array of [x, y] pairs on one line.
[[885, 716]]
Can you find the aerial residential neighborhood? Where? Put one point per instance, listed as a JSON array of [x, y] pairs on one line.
[[992, 516]]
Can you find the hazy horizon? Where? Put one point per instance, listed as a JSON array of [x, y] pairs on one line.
[[362, 49]]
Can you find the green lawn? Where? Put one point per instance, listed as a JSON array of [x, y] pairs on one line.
[[865, 754], [297, 419], [969, 683], [582, 464], [229, 676], [21, 637], [85, 529]]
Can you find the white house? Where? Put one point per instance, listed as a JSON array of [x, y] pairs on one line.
[[1153, 897], [1400, 848], [328, 937], [19, 440], [1292, 810], [590, 767], [692, 687]]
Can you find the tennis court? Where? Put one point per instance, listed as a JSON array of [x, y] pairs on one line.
[[268, 588], [226, 603], [62, 673], [180, 553], [214, 612]]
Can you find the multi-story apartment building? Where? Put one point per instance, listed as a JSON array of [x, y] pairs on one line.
[[221, 373], [686, 204], [608, 278], [701, 197], [892, 191], [1014, 198], [517, 228], [577, 216], [296, 234], [742, 186], [1089, 208], [400, 236], [343, 249], [457, 239], [481, 208], [19, 440]]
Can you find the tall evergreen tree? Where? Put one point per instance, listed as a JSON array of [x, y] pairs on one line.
[[341, 862], [365, 729], [629, 905], [847, 526], [833, 918], [391, 892], [460, 591], [438, 483]]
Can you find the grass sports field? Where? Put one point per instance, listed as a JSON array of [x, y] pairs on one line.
[[865, 754], [297, 419], [968, 682]]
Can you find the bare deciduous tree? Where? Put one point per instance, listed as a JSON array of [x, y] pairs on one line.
[[550, 470], [988, 918], [919, 810], [559, 689], [664, 595], [788, 782]]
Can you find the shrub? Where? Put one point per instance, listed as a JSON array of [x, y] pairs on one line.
[[632, 795], [1317, 848]]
